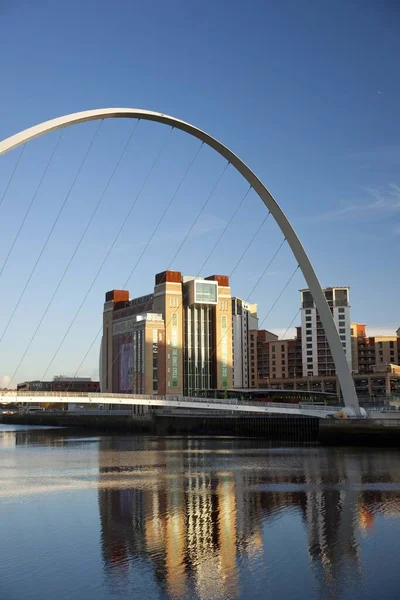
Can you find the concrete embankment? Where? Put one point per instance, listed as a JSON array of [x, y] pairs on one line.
[[360, 432], [265, 426], [104, 423], [348, 432], [269, 427]]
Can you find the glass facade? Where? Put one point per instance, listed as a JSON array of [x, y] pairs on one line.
[[198, 349], [341, 297], [206, 292], [138, 362], [155, 361]]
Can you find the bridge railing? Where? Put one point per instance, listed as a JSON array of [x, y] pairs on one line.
[[170, 400], [321, 407], [97, 397]]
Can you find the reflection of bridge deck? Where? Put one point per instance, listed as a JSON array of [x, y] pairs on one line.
[[229, 405]]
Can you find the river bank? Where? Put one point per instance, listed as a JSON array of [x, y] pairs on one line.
[[273, 428]]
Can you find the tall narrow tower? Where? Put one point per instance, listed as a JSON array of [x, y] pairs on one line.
[[316, 354]]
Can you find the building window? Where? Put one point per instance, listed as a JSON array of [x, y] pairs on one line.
[[343, 337], [341, 310], [308, 319], [308, 311], [309, 359], [392, 344], [309, 339], [309, 345], [309, 352], [342, 331]]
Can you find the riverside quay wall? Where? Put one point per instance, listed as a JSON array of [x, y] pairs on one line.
[[271, 428]]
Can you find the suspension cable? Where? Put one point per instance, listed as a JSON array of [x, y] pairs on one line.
[[180, 247], [249, 244], [12, 175], [219, 239], [239, 206], [199, 214], [279, 295], [161, 151], [42, 251], [234, 268], [184, 240], [110, 179], [163, 215], [265, 270], [137, 262], [32, 201], [291, 323], [50, 233], [254, 287]]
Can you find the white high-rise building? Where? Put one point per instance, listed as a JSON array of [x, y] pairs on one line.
[[244, 363], [316, 355]]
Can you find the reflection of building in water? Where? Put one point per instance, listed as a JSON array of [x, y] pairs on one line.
[[192, 522], [332, 517], [187, 525], [8, 439], [121, 510]]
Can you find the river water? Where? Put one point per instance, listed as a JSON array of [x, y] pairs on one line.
[[114, 517]]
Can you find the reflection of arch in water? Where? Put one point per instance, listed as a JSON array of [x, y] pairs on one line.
[[335, 344]]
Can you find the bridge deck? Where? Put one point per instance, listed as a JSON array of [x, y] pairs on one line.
[[230, 405]]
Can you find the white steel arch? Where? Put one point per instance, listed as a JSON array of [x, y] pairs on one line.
[[338, 354]]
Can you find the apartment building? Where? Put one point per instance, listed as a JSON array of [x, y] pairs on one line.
[[316, 355], [368, 351], [277, 358]]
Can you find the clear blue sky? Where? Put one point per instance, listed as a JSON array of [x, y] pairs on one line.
[[307, 93]]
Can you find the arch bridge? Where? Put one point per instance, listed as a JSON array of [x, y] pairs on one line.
[[337, 351]]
